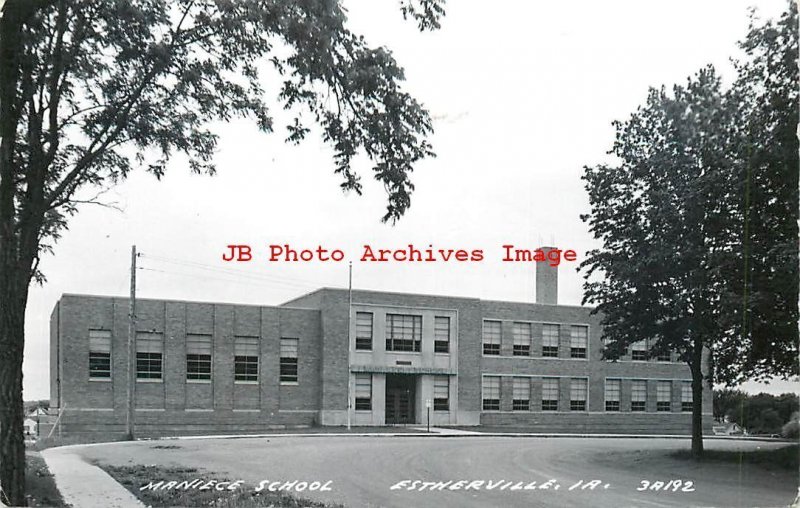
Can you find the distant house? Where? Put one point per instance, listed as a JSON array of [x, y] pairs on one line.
[[728, 429], [29, 426]]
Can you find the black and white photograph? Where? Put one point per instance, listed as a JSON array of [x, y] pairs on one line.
[[404, 253]]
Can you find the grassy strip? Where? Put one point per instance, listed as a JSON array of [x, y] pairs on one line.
[[40, 487], [135, 477], [787, 457]]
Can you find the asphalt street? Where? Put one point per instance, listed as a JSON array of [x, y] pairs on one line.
[[481, 471]]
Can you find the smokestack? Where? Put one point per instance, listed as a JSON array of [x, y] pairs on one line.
[[546, 280]]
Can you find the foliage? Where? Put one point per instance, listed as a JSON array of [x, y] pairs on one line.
[[698, 219], [90, 90], [791, 430], [759, 414]]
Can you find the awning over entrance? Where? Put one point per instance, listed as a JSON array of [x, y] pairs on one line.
[[402, 369]]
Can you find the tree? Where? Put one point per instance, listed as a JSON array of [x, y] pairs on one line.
[[761, 293], [85, 84], [698, 221], [658, 216]]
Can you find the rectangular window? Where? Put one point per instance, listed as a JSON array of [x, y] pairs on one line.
[[491, 337], [638, 395], [198, 357], [288, 365], [363, 392], [639, 351], [522, 339], [441, 393], [521, 394], [441, 334], [579, 338], [664, 396], [149, 355], [687, 397], [403, 332], [491, 393], [612, 394], [664, 356], [550, 341], [245, 359], [364, 331], [577, 394], [99, 354], [550, 394]]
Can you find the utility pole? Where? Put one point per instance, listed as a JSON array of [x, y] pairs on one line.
[[129, 423], [349, 328]]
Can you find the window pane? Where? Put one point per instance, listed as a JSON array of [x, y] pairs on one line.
[[100, 341], [441, 334], [364, 331], [522, 339], [638, 395], [491, 337], [550, 339], [403, 332], [288, 361], [441, 393], [549, 394], [491, 393], [613, 389]]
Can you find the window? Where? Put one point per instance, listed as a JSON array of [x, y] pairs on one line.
[[579, 338], [491, 393], [441, 393], [288, 366], [522, 394], [664, 396], [577, 394], [99, 354], [364, 331], [522, 339], [550, 394], [491, 337], [245, 359], [550, 341], [686, 396], [149, 355], [664, 356], [441, 334], [612, 394], [403, 332], [638, 395], [639, 351], [363, 392], [198, 357]]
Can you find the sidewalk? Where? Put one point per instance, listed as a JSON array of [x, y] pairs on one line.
[[84, 485]]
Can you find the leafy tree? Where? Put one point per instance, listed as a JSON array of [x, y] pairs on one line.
[[84, 84], [698, 221], [658, 218], [727, 401], [761, 293]]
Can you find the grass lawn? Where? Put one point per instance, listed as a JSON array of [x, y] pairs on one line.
[[40, 487], [134, 477], [787, 457]]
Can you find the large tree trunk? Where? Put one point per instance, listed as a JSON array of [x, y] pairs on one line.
[[696, 365], [12, 444]]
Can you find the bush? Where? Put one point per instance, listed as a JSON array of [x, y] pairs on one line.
[[792, 428]]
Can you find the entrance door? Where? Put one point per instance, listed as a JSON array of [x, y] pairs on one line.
[[400, 399]]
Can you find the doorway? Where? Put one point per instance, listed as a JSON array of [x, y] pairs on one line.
[[401, 392]]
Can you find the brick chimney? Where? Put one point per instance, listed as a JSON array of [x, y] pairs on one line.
[[546, 280]]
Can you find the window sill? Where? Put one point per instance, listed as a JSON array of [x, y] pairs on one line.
[[289, 383], [100, 379], [150, 380], [198, 381], [245, 382]]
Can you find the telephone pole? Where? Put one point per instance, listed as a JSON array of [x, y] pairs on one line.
[[349, 345], [131, 349]]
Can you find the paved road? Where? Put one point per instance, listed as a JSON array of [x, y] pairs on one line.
[[362, 470]]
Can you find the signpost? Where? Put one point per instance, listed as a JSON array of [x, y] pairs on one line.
[[428, 407]]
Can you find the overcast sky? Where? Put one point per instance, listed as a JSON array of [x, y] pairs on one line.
[[522, 94]]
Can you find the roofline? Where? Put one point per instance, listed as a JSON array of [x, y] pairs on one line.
[[175, 300], [356, 290]]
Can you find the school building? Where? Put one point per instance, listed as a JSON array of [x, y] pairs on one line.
[[378, 358]]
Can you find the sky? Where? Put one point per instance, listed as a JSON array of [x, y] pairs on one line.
[[523, 95]]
